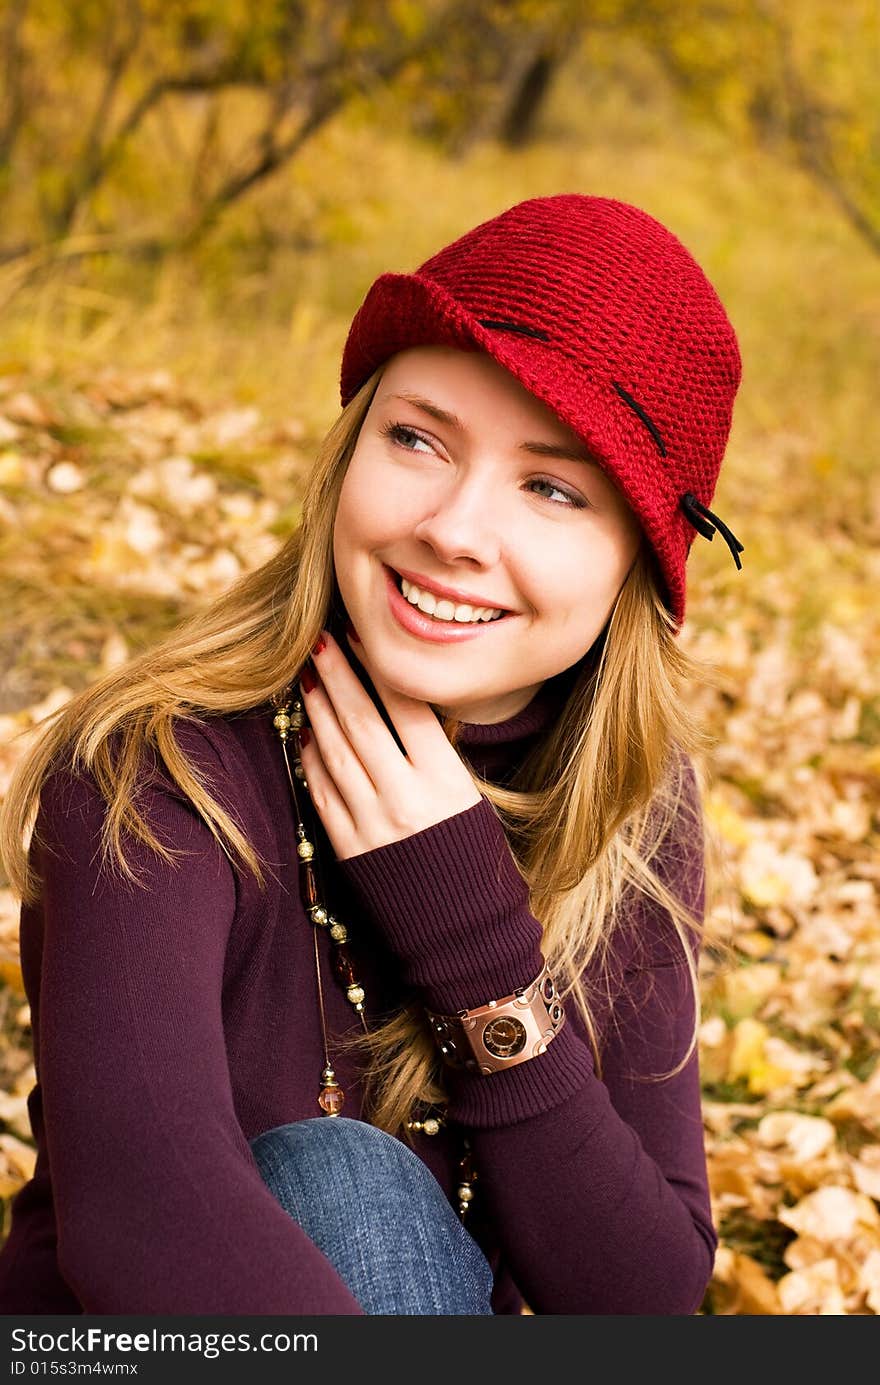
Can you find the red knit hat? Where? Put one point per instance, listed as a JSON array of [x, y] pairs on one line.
[[602, 314]]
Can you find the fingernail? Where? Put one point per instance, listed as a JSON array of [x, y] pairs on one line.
[[351, 630], [320, 644], [308, 679], [305, 735]]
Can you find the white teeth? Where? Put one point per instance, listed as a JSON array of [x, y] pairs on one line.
[[446, 610]]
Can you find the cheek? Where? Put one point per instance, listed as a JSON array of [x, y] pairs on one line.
[[354, 508], [349, 532], [581, 582], [368, 504]]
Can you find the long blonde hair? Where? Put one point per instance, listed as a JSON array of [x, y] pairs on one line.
[[586, 814]]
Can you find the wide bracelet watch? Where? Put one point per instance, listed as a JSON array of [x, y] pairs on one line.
[[503, 1032]]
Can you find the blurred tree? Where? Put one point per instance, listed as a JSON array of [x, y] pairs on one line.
[[87, 79], [802, 80], [136, 123]]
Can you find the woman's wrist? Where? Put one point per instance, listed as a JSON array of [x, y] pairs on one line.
[[503, 1032], [454, 908]]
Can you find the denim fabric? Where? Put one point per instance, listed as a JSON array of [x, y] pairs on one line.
[[378, 1214]]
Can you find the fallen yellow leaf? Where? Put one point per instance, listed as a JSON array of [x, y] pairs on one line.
[[748, 1059], [803, 1137], [10, 972], [815, 1291], [831, 1214], [741, 1286]]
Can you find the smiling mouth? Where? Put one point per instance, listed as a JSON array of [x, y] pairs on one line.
[[446, 620]]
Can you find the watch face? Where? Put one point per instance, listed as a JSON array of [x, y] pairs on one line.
[[504, 1036]]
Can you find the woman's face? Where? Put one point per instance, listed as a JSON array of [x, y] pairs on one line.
[[462, 478]]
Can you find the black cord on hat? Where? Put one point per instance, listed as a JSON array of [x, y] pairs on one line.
[[705, 522]]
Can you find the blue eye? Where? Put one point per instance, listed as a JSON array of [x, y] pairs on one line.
[[400, 433], [575, 501]]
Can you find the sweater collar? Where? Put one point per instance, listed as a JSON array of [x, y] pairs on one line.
[[536, 716], [497, 749]]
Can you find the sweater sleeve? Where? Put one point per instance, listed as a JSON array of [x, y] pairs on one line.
[[160, 1207], [597, 1188]]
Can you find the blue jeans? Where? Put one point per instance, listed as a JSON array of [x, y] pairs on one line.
[[379, 1215]]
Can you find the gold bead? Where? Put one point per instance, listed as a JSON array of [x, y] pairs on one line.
[[319, 914], [305, 850], [414, 1125], [297, 720], [281, 722], [430, 1126], [465, 1193], [355, 995], [339, 932], [300, 772]]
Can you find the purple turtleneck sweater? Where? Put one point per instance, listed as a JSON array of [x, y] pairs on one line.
[[173, 1024]]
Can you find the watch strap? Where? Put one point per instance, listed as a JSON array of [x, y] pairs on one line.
[[501, 1033]]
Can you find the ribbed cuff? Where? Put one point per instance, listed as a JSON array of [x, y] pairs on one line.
[[455, 910], [529, 1089]]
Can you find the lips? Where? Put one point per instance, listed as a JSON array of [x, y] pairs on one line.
[[445, 595], [418, 623]]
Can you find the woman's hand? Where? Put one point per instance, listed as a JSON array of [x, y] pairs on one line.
[[364, 790]]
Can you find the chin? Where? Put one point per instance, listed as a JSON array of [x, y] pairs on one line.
[[422, 688], [421, 691]]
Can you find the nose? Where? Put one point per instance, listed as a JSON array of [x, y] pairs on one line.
[[463, 526]]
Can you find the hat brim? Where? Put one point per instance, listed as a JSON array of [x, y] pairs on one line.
[[402, 311]]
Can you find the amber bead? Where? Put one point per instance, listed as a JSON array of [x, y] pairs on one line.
[[466, 1167], [344, 967], [331, 1100], [308, 884]]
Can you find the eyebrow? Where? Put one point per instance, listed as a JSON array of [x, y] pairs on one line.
[[538, 449]]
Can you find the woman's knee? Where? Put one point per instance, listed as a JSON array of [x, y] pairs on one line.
[[305, 1155], [351, 1186]]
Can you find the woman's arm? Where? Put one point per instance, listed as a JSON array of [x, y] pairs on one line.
[[598, 1189], [159, 1205], [603, 1200]]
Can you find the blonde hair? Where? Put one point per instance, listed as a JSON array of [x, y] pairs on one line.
[[586, 815]]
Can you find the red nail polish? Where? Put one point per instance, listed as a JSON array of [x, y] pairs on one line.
[[305, 735], [351, 630], [308, 680], [320, 644]]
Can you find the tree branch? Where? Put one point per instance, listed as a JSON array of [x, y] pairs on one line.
[[807, 129], [86, 177], [13, 68], [103, 160], [270, 155], [23, 267]]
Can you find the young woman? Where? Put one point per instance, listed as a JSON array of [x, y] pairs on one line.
[[361, 916]]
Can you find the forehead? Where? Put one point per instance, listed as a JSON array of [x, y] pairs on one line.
[[455, 367]]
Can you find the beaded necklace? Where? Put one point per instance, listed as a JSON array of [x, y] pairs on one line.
[[331, 1098]]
